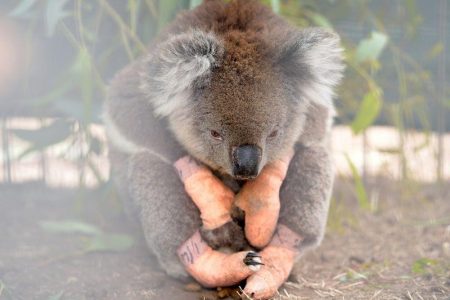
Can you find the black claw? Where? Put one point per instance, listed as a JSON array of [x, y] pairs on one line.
[[249, 259], [253, 254], [254, 263]]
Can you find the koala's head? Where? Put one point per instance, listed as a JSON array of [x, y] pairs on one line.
[[237, 102]]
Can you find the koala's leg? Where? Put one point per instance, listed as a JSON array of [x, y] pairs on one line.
[[304, 198], [167, 214]]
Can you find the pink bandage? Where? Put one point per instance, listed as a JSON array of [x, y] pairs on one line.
[[278, 257], [213, 268], [260, 199], [186, 167], [209, 194]]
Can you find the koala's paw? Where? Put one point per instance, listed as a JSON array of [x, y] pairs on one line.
[[253, 261], [229, 235]]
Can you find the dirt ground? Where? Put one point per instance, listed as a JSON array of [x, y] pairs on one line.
[[399, 250]]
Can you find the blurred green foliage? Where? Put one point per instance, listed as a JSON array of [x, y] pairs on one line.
[[103, 35]]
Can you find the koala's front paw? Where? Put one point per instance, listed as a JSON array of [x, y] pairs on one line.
[[229, 235]]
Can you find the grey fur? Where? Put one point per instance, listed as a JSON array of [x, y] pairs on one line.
[[179, 64], [245, 82], [313, 56]]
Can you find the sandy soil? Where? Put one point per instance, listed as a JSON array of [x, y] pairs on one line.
[[400, 250]]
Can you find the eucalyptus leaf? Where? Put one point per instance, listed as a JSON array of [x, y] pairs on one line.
[[74, 108], [371, 48], [110, 242], [361, 193], [167, 10], [28, 151], [368, 111], [41, 138], [54, 13], [23, 9], [320, 20], [83, 69], [2, 287], [96, 145], [55, 95], [436, 50], [195, 3], [275, 6], [133, 7], [70, 226]]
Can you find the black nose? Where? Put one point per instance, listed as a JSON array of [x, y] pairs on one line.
[[246, 159]]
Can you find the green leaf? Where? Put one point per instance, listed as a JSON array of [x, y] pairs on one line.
[[436, 50], [390, 150], [361, 193], [70, 226], [371, 48], [320, 20], [55, 132], [96, 145], [275, 6], [44, 137], [23, 9], [54, 13], [2, 287], [421, 266], [83, 68], [110, 242], [133, 7], [54, 95], [368, 111], [195, 3], [168, 9]]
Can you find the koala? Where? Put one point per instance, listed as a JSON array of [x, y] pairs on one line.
[[236, 87]]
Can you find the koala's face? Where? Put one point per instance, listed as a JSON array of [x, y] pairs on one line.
[[237, 102], [244, 119]]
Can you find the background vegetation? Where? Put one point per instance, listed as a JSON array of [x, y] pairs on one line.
[[395, 51]]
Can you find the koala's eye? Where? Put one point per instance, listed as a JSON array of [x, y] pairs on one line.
[[273, 134], [215, 135]]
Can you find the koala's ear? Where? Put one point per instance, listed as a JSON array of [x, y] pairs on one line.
[[313, 58], [178, 66]]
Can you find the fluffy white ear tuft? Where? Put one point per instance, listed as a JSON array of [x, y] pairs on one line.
[[314, 58], [180, 65]]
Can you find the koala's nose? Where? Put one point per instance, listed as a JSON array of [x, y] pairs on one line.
[[246, 159]]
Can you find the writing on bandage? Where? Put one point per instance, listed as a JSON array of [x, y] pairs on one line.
[[192, 249]]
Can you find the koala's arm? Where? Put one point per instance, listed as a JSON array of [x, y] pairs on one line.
[[306, 191], [304, 201], [142, 152], [170, 223], [214, 200]]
